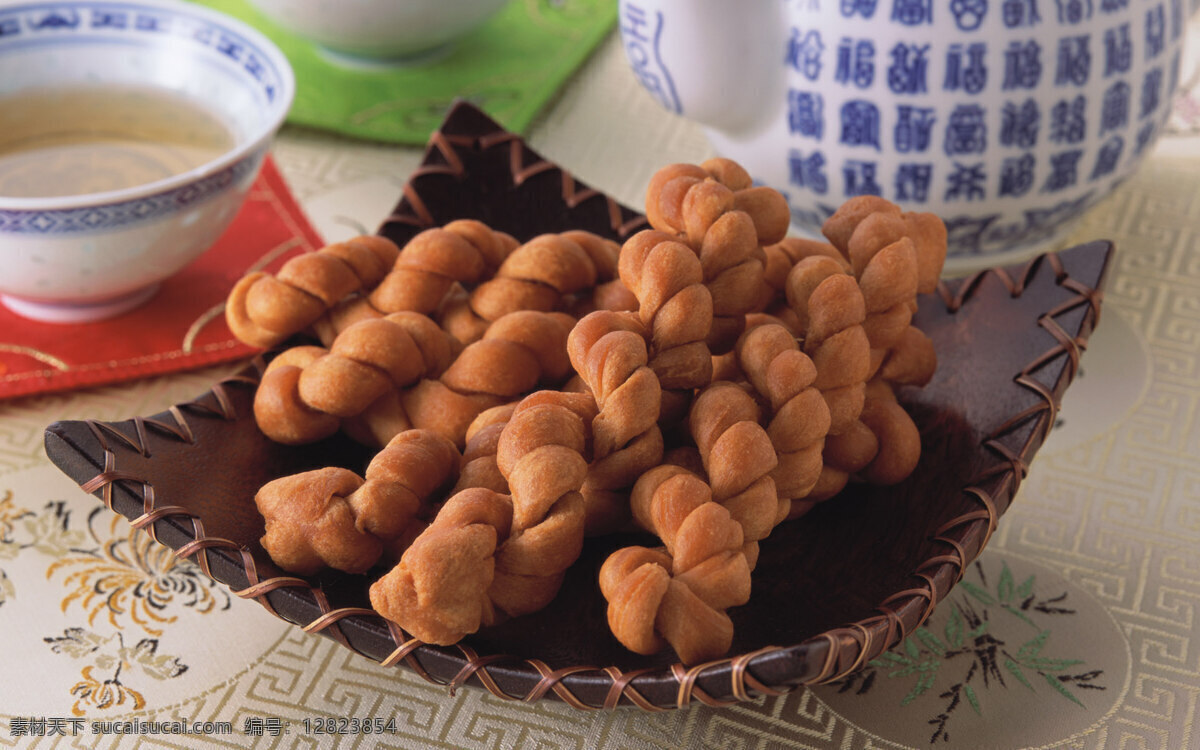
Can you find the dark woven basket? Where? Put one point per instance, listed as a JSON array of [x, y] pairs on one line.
[[831, 591]]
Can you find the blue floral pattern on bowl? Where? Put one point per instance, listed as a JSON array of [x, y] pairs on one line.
[[80, 257]]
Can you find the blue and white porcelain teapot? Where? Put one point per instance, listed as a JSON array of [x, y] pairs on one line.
[[1008, 118]]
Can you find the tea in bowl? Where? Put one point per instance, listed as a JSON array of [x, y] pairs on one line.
[[130, 134]]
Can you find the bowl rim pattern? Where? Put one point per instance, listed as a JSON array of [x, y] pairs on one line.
[[244, 45]]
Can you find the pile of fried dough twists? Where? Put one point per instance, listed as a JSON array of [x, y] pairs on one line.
[[704, 382]]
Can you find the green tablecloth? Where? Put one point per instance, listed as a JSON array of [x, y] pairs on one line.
[[510, 67]]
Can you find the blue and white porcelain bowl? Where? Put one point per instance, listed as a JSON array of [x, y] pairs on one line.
[[78, 257], [1007, 118], [399, 31]]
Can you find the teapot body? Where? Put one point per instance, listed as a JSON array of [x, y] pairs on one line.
[[1007, 118]]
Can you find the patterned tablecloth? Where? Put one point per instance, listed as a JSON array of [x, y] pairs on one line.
[[1079, 626]]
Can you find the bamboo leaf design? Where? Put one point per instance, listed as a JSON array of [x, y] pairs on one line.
[[887, 658], [1025, 590], [1043, 664], [1019, 615], [932, 642], [910, 648], [1060, 687], [1005, 587], [954, 629], [868, 682], [976, 592], [968, 642], [924, 682], [972, 699], [1033, 646], [1012, 667]]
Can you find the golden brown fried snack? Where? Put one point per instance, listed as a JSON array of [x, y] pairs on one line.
[[518, 353], [439, 589], [784, 375], [883, 446], [739, 459], [541, 454], [479, 467], [715, 209], [332, 517], [264, 310], [667, 193], [301, 389], [611, 295], [604, 513], [647, 608], [886, 224], [676, 308], [698, 532], [464, 251], [830, 307], [779, 259], [678, 595], [897, 435], [819, 320], [608, 350], [895, 256], [535, 276], [278, 409], [485, 555]]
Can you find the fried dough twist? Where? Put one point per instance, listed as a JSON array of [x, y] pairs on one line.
[[439, 589], [608, 350], [677, 596], [666, 277], [487, 555], [609, 293], [535, 276], [780, 258], [264, 310], [739, 459], [926, 230], [464, 251], [332, 517], [427, 270], [305, 392], [479, 468], [784, 376], [882, 446], [717, 211], [894, 256], [520, 352], [541, 454], [831, 311]]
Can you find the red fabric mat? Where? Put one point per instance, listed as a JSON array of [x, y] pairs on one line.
[[182, 327]]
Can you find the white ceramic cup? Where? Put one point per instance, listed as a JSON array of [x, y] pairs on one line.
[[87, 257], [403, 30]]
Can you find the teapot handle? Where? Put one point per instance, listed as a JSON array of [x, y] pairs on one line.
[[717, 62]]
